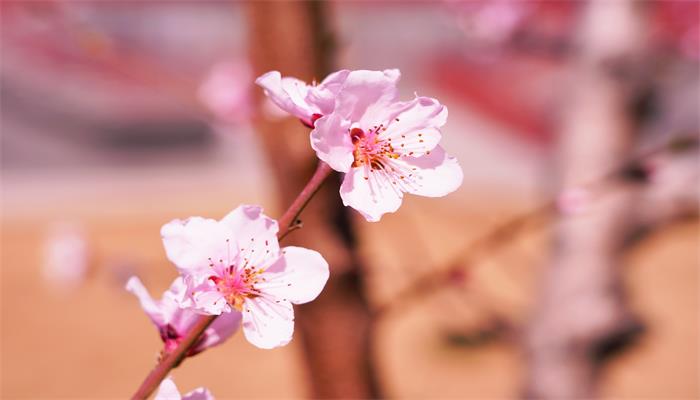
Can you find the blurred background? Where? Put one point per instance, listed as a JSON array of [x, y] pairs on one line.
[[565, 266]]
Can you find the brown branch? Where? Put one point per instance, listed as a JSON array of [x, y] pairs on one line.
[[436, 278], [288, 221], [472, 251]]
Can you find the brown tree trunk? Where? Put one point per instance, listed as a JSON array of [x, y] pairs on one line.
[[295, 38], [582, 309]]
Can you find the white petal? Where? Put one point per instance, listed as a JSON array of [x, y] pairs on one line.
[[298, 275], [203, 297], [211, 302], [331, 141], [373, 196], [437, 174], [189, 244], [179, 318], [254, 233], [223, 327], [289, 94], [335, 80], [365, 96], [414, 128], [323, 96], [150, 306], [167, 390], [199, 394], [268, 323]]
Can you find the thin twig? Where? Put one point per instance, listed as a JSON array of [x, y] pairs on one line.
[[434, 279], [289, 218]]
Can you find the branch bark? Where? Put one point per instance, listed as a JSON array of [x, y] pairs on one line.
[[582, 308], [296, 39]]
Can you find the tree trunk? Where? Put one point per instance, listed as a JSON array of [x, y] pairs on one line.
[[581, 312], [335, 329]]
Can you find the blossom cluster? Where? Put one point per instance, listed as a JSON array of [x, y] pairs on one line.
[[235, 268], [385, 147]]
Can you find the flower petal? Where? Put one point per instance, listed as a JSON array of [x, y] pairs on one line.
[[414, 127], [437, 173], [365, 96], [198, 394], [190, 243], [268, 323], [334, 81], [298, 275], [254, 233], [323, 96], [179, 318], [168, 390], [150, 306], [203, 297], [331, 141], [221, 329], [370, 193], [288, 94]]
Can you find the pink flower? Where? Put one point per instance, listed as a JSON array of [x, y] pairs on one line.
[[174, 322], [66, 256], [236, 266], [168, 391], [226, 91], [385, 147], [306, 102], [573, 201]]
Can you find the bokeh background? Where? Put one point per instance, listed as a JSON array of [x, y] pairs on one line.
[[567, 263]]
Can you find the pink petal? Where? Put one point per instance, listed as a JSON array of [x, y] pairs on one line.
[[203, 296], [168, 312], [372, 197], [298, 275], [66, 256], [179, 318], [254, 233], [323, 96], [221, 329], [168, 390], [331, 141], [189, 244], [437, 173], [268, 323], [199, 394], [365, 96], [150, 306], [414, 128], [226, 91], [288, 93], [573, 201], [334, 81]]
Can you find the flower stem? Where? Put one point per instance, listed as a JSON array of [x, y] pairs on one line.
[[172, 359], [287, 223]]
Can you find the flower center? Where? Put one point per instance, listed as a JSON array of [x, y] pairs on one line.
[[236, 285], [370, 149]]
